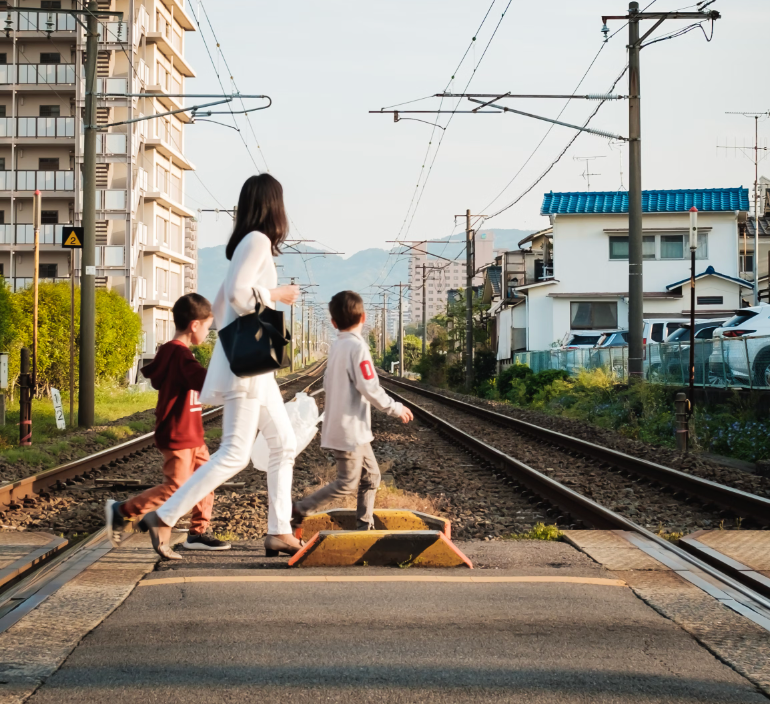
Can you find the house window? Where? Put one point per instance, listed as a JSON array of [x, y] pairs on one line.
[[48, 164], [161, 230], [593, 315], [49, 217], [47, 271], [619, 247], [50, 58], [50, 111], [710, 300], [50, 5], [747, 263], [672, 246], [703, 246]]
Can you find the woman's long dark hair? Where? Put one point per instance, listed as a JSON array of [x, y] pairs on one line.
[[260, 207]]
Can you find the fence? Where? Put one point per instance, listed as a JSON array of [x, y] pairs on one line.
[[721, 362]]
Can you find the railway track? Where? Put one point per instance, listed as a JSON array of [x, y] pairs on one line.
[[560, 500], [33, 576], [12, 494]]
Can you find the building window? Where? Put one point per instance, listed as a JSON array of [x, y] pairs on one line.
[[747, 263], [619, 247], [2, 270], [48, 164], [50, 111], [161, 230], [2, 110], [50, 58], [47, 271], [49, 217], [672, 247], [2, 217], [50, 5], [3, 58], [593, 315], [161, 283], [710, 300], [2, 163]]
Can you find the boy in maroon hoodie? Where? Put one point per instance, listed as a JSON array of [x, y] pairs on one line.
[[178, 427]]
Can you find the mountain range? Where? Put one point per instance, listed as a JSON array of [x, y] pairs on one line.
[[332, 272]]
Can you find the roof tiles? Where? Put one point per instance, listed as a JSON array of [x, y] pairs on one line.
[[677, 201]]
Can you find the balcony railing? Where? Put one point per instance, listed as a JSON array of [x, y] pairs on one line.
[[110, 200], [37, 126], [44, 74], [42, 180], [113, 32], [32, 22], [17, 283], [113, 143], [25, 234], [111, 256], [112, 85]]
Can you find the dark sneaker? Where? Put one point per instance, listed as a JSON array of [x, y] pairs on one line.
[[115, 521], [205, 541]]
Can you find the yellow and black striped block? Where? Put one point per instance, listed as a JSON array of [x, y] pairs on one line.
[[382, 548], [384, 519]]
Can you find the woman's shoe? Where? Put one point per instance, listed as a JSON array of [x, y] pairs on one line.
[[168, 554], [160, 534], [288, 544]]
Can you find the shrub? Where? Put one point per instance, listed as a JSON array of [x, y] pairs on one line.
[[515, 372], [455, 375], [484, 366]]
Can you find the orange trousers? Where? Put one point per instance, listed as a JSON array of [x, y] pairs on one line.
[[178, 466]]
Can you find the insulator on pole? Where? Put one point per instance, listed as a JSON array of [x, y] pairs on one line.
[[603, 96]]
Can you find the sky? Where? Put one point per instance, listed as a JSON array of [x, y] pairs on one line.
[[351, 178]]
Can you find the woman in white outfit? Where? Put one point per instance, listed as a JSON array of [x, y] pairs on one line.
[[251, 404]]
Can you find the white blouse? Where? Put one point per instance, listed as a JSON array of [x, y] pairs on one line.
[[251, 270]]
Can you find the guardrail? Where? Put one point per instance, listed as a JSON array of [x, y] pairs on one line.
[[742, 362]]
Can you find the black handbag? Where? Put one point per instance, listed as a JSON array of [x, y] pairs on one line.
[[257, 343]]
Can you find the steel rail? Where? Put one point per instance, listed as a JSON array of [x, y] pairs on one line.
[[13, 492], [571, 501], [742, 502]]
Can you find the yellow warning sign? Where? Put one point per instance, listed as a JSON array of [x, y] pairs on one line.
[[72, 238]]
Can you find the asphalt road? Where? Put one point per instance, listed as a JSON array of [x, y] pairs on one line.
[[391, 642]]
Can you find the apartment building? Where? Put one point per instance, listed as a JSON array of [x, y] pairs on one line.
[[443, 275], [144, 250]]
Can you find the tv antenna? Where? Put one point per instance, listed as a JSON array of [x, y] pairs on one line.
[[757, 149], [587, 172], [615, 144]]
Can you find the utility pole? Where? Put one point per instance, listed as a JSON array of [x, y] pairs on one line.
[[469, 270], [401, 362], [88, 255], [291, 327], [757, 148], [424, 309], [302, 332], [635, 257], [37, 204]]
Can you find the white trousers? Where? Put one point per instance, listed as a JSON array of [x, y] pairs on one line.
[[242, 418]]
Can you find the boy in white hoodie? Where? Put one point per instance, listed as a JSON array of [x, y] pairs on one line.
[[352, 388]]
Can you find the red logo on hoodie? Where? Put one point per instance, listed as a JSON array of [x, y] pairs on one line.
[[366, 370]]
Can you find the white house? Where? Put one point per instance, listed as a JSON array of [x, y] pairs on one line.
[[589, 286]]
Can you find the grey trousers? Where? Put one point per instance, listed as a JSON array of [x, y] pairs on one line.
[[357, 472]]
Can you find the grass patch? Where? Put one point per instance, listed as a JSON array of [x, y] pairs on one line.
[[29, 456], [111, 403], [141, 426], [77, 440], [117, 432], [227, 535], [100, 439], [671, 537], [213, 433], [540, 531]]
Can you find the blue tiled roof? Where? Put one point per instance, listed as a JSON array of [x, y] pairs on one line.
[[704, 199]]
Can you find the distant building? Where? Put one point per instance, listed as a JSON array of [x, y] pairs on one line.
[[144, 250], [443, 276]]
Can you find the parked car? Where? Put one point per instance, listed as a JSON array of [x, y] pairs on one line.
[[577, 339], [606, 353], [742, 355], [654, 332], [675, 353]]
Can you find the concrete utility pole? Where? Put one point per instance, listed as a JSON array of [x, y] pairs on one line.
[[635, 257], [88, 255], [291, 327], [37, 204], [401, 362], [469, 270], [302, 332], [424, 310]]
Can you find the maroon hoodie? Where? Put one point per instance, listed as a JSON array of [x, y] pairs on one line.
[[179, 378]]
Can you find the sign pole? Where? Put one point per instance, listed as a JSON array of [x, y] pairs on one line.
[[72, 239], [36, 218], [72, 337]]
